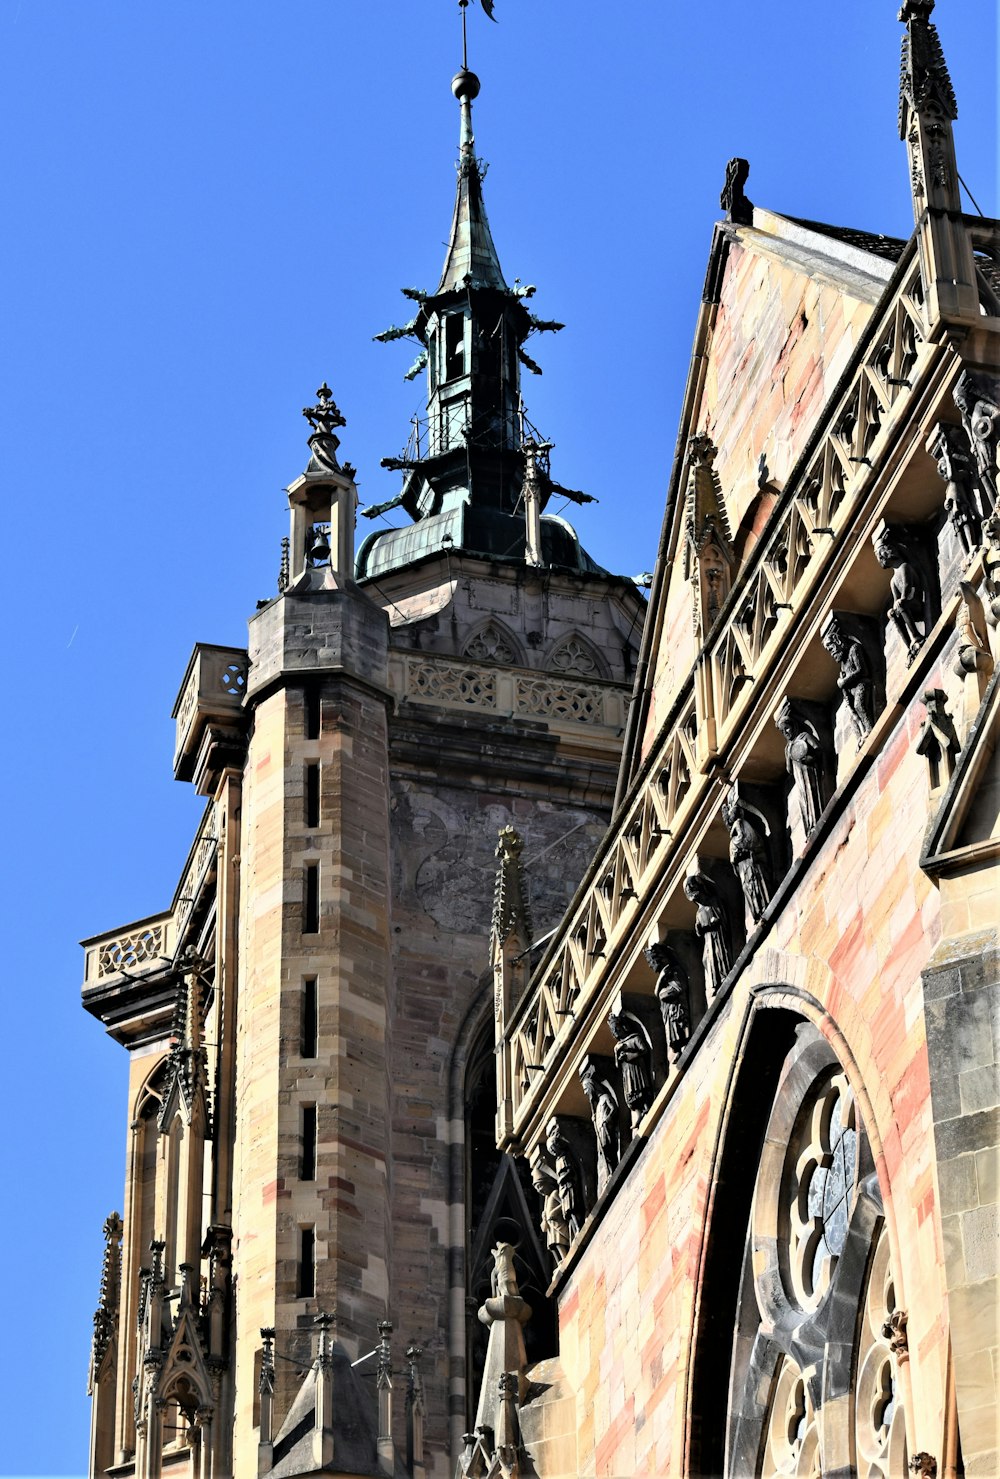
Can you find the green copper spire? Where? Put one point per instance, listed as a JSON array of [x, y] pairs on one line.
[[472, 257], [464, 473]]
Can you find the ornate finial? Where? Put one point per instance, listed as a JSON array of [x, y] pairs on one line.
[[509, 904], [325, 416], [107, 1304], [923, 72], [734, 202]]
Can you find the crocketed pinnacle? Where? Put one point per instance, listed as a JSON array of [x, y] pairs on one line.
[[471, 253], [923, 72]]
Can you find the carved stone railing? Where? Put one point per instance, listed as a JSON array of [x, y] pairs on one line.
[[574, 968], [212, 692], [132, 949], [830, 481], [423, 679], [986, 251], [196, 871]]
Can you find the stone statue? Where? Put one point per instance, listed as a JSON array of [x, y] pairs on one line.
[[603, 1103], [949, 447], [748, 851], [503, 1277], [855, 681], [910, 609], [672, 994], [568, 1178], [554, 1228], [712, 928], [978, 403], [973, 654], [805, 761], [991, 568], [633, 1055]]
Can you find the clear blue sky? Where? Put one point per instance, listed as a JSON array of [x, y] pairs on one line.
[[210, 208]]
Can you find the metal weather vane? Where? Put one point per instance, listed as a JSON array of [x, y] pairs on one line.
[[463, 6]]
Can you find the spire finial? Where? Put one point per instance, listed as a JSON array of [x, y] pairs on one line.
[[927, 109]]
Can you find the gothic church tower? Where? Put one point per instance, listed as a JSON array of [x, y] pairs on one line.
[[310, 1020]]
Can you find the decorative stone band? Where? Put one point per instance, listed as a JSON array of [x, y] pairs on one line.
[[443, 681]]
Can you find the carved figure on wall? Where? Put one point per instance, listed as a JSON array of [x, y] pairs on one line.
[[503, 1279], [555, 1231], [894, 1331], [855, 681], [978, 402], [711, 925], [805, 761], [634, 1057], [748, 851], [991, 568], [568, 1178], [973, 649], [938, 742], [672, 994], [949, 447], [603, 1103], [910, 610]]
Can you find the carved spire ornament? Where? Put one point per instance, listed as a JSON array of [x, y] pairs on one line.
[[709, 558], [324, 418], [510, 908], [106, 1314], [927, 109]]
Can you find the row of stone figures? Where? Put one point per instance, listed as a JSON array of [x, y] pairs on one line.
[[966, 458], [573, 1168]]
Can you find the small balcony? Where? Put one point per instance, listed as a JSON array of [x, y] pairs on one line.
[[209, 707]]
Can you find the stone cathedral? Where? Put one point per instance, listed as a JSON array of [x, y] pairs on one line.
[[570, 1049]]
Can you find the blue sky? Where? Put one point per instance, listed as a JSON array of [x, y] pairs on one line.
[[210, 208]]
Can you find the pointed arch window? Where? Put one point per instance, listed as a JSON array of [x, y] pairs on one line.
[[501, 1206]]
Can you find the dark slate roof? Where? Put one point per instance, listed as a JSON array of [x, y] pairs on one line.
[[888, 247]]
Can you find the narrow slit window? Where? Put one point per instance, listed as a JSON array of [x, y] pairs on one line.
[[312, 711], [307, 1169], [312, 795], [307, 1262], [310, 1018], [310, 922]]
